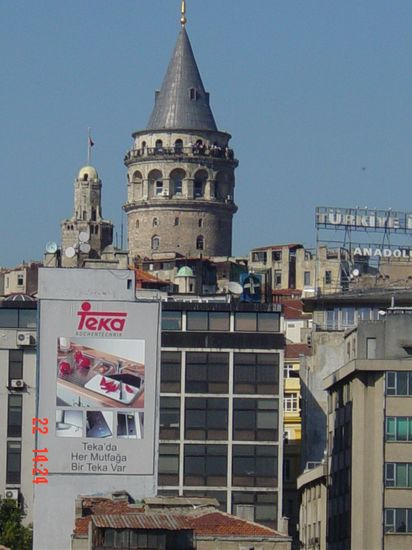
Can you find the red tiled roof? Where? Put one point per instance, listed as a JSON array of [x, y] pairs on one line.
[[222, 524], [102, 505], [145, 277], [292, 309], [292, 351]]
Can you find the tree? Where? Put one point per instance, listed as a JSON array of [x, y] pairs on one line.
[[12, 533]]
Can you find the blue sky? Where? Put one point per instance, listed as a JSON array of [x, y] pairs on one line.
[[316, 94]]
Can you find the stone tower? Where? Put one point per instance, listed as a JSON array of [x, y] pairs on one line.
[[180, 171], [86, 221]]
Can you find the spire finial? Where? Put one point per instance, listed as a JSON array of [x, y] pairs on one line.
[[183, 19]]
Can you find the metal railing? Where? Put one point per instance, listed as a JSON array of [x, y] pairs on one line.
[[205, 151]]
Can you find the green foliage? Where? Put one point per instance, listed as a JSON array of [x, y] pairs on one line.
[[12, 533]]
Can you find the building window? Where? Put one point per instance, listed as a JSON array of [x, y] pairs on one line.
[[370, 348], [200, 243], [398, 474], [255, 465], [15, 364], [289, 371], [256, 373], [13, 462], [398, 428], [207, 372], [14, 418], [217, 321], [252, 322], [205, 465], [170, 371], [194, 94], [155, 242], [255, 419], [328, 277], [168, 464], [276, 255], [306, 278], [277, 278], [398, 520], [20, 280], [291, 402], [176, 221], [259, 257], [171, 320], [169, 417], [206, 418], [264, 504], [399, 383], [8, 318]]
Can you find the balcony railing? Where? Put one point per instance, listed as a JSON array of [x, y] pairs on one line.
[[197, 151]]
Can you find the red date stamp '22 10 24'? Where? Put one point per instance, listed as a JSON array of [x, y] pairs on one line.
[[39, 472]]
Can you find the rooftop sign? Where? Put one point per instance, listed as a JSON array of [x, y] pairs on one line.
[[366, 219]]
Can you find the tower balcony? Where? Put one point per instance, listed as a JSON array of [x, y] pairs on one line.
[[196, 153]]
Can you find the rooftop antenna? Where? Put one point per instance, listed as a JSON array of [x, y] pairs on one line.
[[90, 144], [183, 19]]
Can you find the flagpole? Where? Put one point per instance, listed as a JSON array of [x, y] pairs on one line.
[[89, 148]]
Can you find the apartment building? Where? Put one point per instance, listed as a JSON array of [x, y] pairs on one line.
[[369, 495], [221, 429], [17, 399]]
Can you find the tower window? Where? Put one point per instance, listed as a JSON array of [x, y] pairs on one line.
[[178, 146], [85, 176], [198, 190], [200, 222], [200, 243], [159, 145], [159, 187], [93, 214], [137, 224], [155, 222], [176, 221], [155, 242], [194, 94]]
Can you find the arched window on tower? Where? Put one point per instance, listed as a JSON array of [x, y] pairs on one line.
[[85, 176], [178, 146], [93, 214], [176, 221], [155, 178], [200, 243], [137, 224], [155, 242], [159, 146], [155, 222], [199, 183], [176, 179]]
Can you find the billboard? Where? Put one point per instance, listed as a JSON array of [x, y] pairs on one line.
[[357, 219], [97, 381], [96, 423]]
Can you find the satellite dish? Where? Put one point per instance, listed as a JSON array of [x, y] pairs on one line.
[[84, 236], [356, 272], [235, 288], [70, 252], [51, 247], [85, 248]]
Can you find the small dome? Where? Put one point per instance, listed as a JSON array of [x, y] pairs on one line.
[[88, 173], [185, 271], [19, 297]]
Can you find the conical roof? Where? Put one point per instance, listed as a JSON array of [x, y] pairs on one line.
[[182, 103]]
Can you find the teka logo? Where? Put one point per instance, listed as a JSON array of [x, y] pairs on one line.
[[100, 321]]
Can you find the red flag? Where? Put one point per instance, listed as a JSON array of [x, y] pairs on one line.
[[91, 142]]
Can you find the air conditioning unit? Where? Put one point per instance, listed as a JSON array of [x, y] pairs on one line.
[[11, 494], [24, 339], [16, 383]]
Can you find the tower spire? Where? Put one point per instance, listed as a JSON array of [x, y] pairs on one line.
[[183, 19]]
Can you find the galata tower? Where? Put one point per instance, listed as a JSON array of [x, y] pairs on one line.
[[180, 171]]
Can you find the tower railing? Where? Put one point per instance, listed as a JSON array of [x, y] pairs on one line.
[[196, 151]]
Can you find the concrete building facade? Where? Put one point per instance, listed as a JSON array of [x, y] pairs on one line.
[[180, 171], [221, 426]]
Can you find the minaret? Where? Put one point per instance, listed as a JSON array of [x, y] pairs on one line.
[[86, 221], [180, 170]]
